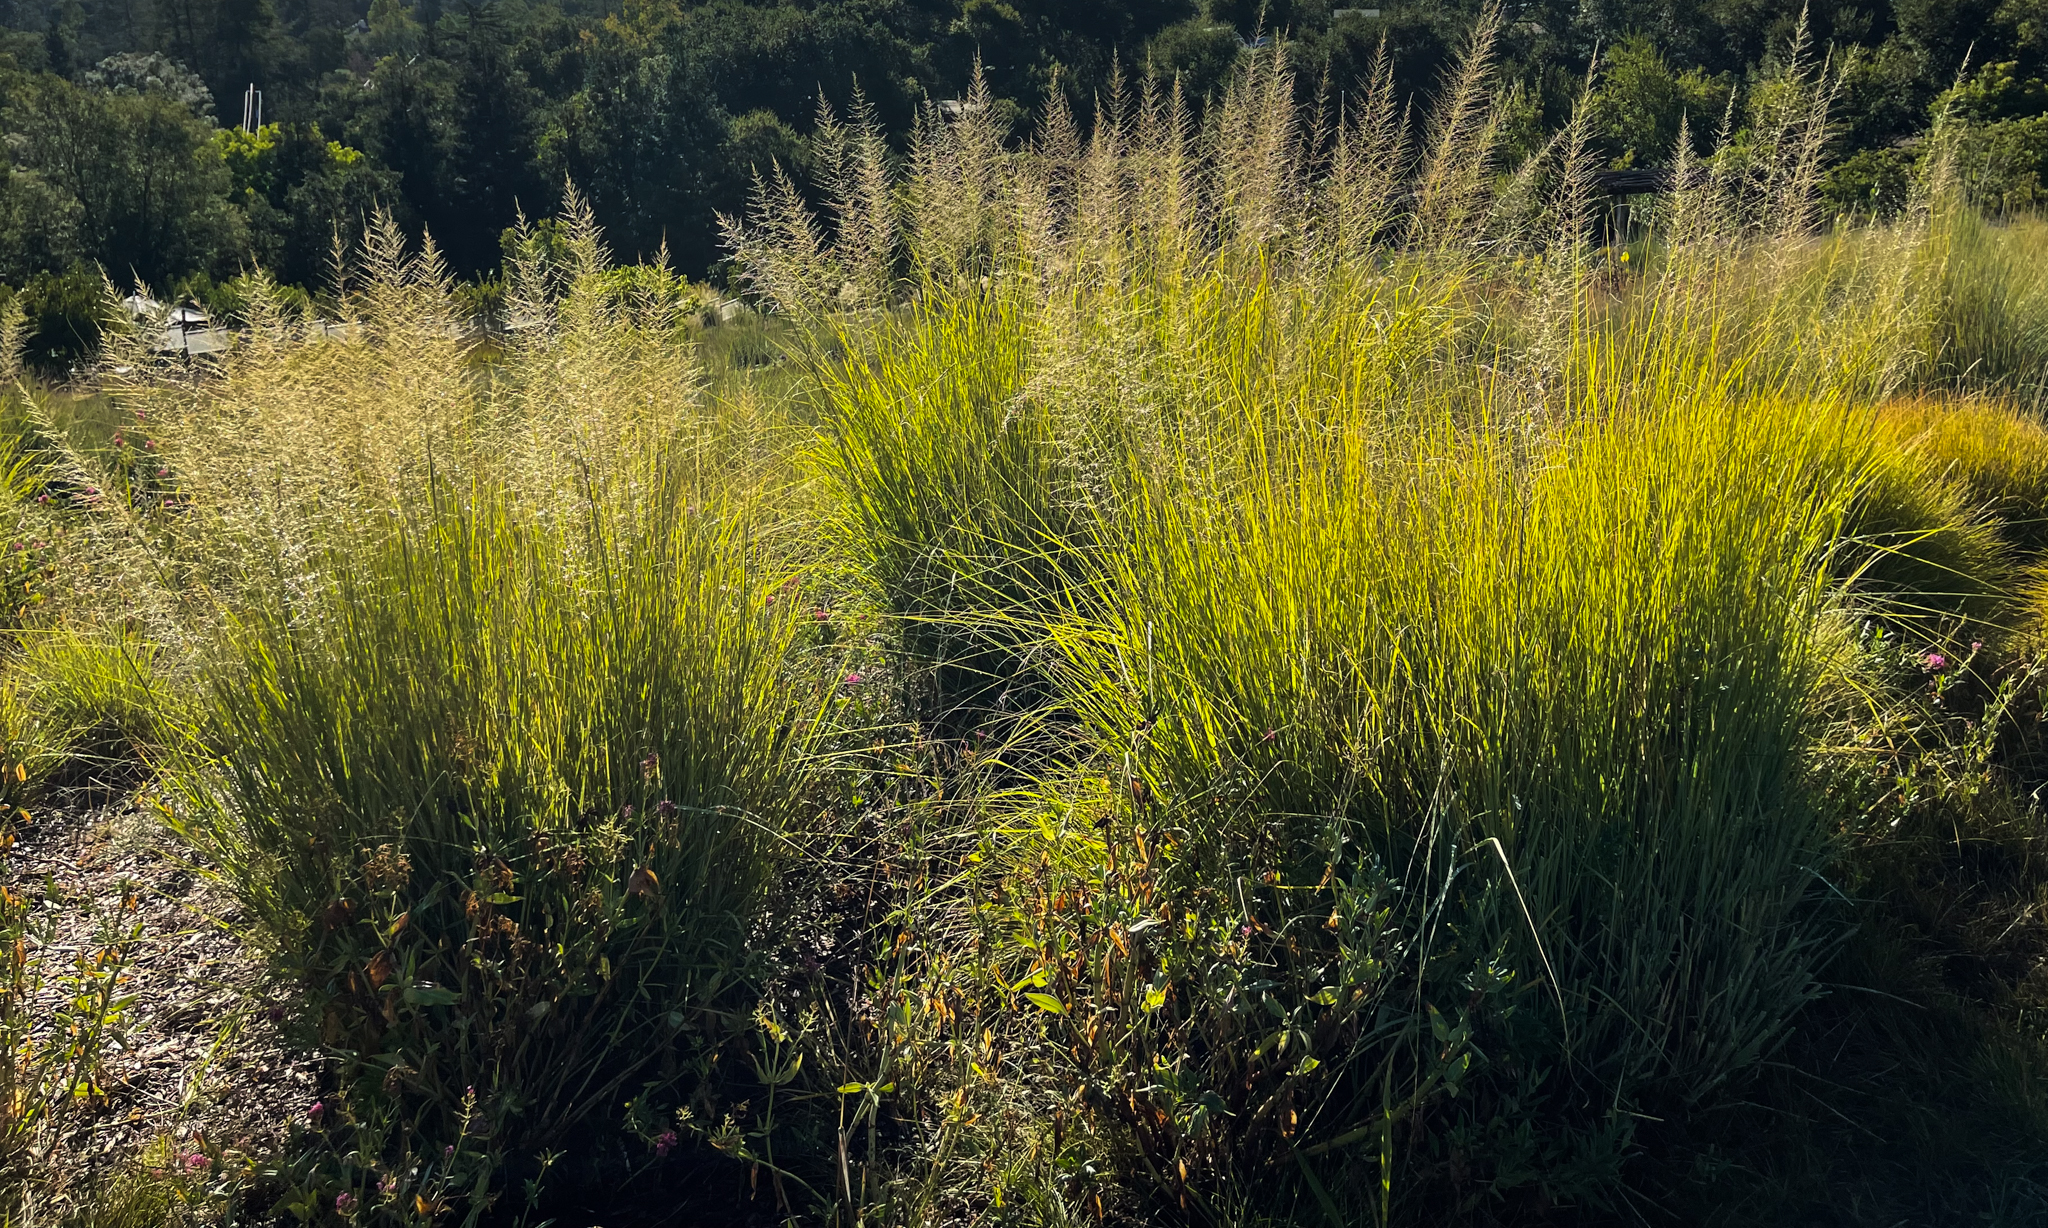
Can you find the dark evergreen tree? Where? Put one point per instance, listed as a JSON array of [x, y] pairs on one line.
[[492, 131]]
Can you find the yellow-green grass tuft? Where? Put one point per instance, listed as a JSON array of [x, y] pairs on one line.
[[1994, 452]]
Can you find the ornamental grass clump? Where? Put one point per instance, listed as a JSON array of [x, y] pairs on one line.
[[504, 791], [1435, 611], [954, 490], [308, 432], [1996, 455], [1454, 825]]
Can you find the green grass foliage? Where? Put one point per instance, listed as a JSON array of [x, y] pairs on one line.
[[955, 496], [1241, 673], [1498, 795], [1996, 454], [506, 793]]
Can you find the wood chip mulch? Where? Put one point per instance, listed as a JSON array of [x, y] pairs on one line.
[[199, 1065]]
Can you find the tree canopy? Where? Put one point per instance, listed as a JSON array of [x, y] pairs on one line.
[[125, 150]]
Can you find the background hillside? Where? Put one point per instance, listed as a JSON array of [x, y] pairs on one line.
[[124, 144]]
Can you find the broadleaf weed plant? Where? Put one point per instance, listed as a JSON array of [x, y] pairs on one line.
[[60, 1018]]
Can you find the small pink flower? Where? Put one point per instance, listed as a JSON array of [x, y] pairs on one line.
[[448, 1152], [343, 1201], [665, 1143], [315, 1112], [197, 1161], [853, 680], [1936, 663], [1976, 646]]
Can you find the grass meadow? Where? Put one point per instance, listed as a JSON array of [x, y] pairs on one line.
[[1263, 670]]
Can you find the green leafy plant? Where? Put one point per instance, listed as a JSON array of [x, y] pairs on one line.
[[59, 1019]]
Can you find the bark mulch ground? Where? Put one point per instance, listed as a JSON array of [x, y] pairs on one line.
[[196, 1071]]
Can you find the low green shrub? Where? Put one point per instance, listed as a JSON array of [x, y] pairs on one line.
[[66, 313]]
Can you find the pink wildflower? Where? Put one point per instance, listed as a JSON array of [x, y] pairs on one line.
[[1936, 663], [665, 1143]]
